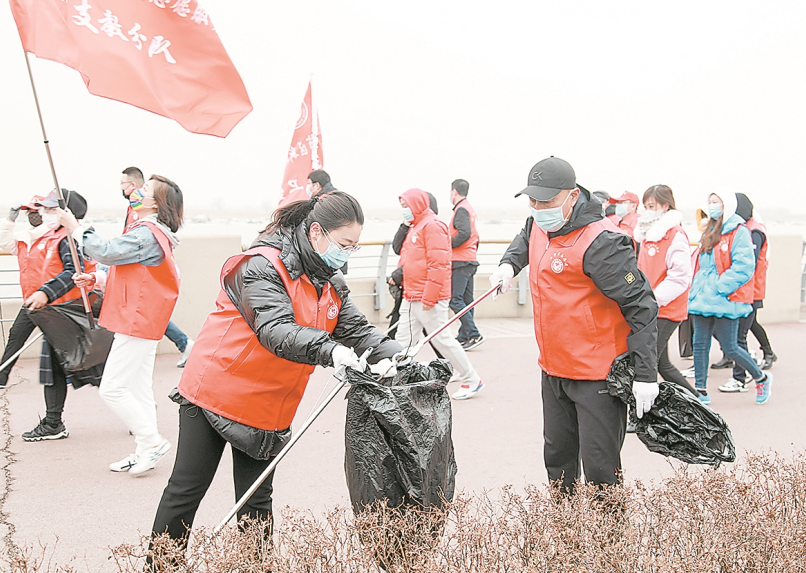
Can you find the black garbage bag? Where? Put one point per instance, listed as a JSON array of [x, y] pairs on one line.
[[678, 424], [67, 330], [398, 437], [399, 460]]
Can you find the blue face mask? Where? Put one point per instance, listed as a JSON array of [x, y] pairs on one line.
[[549, 220], [408, 216], [714, 211], [335, 256]]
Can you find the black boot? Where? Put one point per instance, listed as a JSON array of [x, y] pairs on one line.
[[722, 364], [766, 364]]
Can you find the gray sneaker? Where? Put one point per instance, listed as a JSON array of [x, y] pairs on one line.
[[473, 342], [45, 431]]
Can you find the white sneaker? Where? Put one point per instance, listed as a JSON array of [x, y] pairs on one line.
[[185, 354], [688, 372], [125, 464], [734, 385], [465, 391], [150, 457]]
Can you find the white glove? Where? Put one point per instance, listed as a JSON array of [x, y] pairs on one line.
[[503, 275], [645, 394], [385, 368], [344, 357]]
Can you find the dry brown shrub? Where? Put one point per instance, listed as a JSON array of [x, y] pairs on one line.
[[748, 518]]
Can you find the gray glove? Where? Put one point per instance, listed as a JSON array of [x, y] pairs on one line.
[[14, 212]]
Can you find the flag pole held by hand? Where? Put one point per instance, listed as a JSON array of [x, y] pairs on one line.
[[62, 205]]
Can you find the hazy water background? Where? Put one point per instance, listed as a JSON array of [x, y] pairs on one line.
[[364, 263]]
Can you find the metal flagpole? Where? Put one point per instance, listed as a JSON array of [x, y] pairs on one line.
[[62, 204]]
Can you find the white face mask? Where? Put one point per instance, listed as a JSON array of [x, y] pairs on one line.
[[51, 220]]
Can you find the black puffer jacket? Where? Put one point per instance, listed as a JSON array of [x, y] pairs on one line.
[[257, 291], [610, 257]]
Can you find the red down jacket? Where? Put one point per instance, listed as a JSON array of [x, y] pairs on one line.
[[426, 253]]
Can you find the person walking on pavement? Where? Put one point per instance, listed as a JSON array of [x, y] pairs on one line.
[[592, 306], [46, 277], [131, 180], [426, 257], [284, 308], [665, 258], [464, 245], [722, 293], [141, 292], [625, 215], [23, 240], [758, 234]]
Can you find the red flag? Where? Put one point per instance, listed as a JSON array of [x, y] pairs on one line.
[[163, 56], [304, 154]]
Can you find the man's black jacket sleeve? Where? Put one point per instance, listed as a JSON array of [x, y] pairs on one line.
[[461, 222], [611, 263], [517, 254]]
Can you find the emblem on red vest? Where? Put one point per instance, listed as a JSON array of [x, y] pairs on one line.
[[724, 246], [332, 312], [651, 249], [558, 263]]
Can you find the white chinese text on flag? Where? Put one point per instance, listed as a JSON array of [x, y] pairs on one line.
[[163, 56]]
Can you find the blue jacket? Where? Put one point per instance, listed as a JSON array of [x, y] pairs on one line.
[[709, 290]]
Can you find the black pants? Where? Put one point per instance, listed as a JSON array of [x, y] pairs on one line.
[[761, 335], [198, 454], [55, 394], [666, 369], [20, 330], [581, 421]]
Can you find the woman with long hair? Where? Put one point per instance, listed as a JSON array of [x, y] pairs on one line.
[[722, 293], [665, 258], [283, 309], [141, 292]]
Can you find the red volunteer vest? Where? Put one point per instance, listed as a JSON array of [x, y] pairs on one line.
[[652, 262], [41, 263], [579, 330], [230, 373], [467, 250], [723, 260], [760, 277], [139, 299]]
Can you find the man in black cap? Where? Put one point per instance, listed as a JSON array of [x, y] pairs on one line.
[[591, 305]]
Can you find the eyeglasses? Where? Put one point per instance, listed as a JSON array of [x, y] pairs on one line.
[[349, 250]]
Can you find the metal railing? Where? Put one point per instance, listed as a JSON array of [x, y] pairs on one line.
[[803, 274], [376, 260]]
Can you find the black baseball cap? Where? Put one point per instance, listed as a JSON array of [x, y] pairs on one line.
[[75, 202], [549, 177]]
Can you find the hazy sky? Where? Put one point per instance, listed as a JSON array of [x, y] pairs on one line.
[[695, 95]]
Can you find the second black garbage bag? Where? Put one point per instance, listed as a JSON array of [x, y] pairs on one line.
[[398, 437], [400, 464]]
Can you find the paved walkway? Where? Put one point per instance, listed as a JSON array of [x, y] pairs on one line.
[[62, 490]]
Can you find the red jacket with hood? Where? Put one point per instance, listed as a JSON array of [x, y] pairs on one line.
[[426, 253]]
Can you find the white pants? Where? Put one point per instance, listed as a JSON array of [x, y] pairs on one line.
[[126, 387], [410, 329]]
